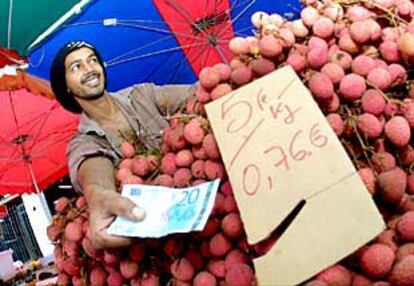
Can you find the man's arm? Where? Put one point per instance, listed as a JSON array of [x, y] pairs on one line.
[[96, 173], [96, 176]]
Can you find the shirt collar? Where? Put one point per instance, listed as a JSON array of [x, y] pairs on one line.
[[87, 124]]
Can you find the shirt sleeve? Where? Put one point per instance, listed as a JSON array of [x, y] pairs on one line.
[[167, 99], [83, 147], [170, 98]]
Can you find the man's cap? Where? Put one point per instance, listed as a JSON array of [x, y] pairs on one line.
[[57, 74]]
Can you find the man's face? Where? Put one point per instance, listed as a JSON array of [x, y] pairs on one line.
[[84, 75]]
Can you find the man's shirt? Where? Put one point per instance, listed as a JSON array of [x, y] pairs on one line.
[[145, 106]]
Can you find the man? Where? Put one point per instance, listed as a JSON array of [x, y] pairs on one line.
[[78, 79]]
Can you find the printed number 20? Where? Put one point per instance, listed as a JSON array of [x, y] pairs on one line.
[[190, 197]]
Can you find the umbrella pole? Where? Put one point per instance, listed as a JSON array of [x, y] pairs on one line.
[[38, 191]]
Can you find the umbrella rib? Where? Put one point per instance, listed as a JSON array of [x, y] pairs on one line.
[[215, 17], [188, 59], [183, 12], [101, 21], [205, 58], [42, 155], [218, 14], [15, 150], [7, 159], [239, 32], [159, 30], [206, 5], [139, 48], [39, 61], [214, 46], [85, 23], [164, 51], [57, 163], [201, 51], [221, 54], [15, 121], [151, 21], [178, 69], [31, 122], [180, 64], [11, 159], [47, 115], [64, 135], [196, 56], [225, 48], [55, 140], [6, 142], [237, 16], [6, 168]]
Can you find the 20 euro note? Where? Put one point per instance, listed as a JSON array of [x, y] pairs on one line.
[[168, 210]]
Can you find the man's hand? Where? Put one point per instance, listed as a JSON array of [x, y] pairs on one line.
[[104, 206], [96, 176]]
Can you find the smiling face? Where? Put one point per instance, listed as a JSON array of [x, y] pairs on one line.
[[84, 75]]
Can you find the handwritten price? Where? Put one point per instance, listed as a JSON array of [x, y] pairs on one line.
[[282, 157], [238, 115], [315, 138]]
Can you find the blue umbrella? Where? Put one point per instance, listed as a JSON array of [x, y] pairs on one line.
[[160, 41]]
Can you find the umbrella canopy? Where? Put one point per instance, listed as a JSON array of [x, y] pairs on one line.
[[159, 41], [34, 132], [33, 138], [23, 21]]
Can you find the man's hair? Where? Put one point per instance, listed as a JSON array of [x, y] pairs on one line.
[[58, 79]]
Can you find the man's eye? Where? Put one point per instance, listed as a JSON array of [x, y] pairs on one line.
[[75, 68], [94, 60]]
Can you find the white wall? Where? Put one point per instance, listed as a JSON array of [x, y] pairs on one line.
[[39, 220]]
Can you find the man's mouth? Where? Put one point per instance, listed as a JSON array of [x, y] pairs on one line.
[[91, 80]]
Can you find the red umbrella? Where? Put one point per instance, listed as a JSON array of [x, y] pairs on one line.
[[34, 132]]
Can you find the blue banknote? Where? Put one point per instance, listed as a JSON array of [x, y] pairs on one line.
[[168, 210]]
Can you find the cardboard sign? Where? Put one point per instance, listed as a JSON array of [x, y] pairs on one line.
[[278, 150]]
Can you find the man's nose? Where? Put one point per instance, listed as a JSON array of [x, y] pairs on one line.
[[89, 67]]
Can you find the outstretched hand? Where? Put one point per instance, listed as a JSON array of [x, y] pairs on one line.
[[104, 207]]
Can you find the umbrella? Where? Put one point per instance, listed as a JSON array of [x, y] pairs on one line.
[[22, 21], [159, 41], [34, 133], [33, 139]]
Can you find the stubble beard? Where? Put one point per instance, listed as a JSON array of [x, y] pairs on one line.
[[93, 96]]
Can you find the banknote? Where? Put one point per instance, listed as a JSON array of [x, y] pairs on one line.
[[168, 210]]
